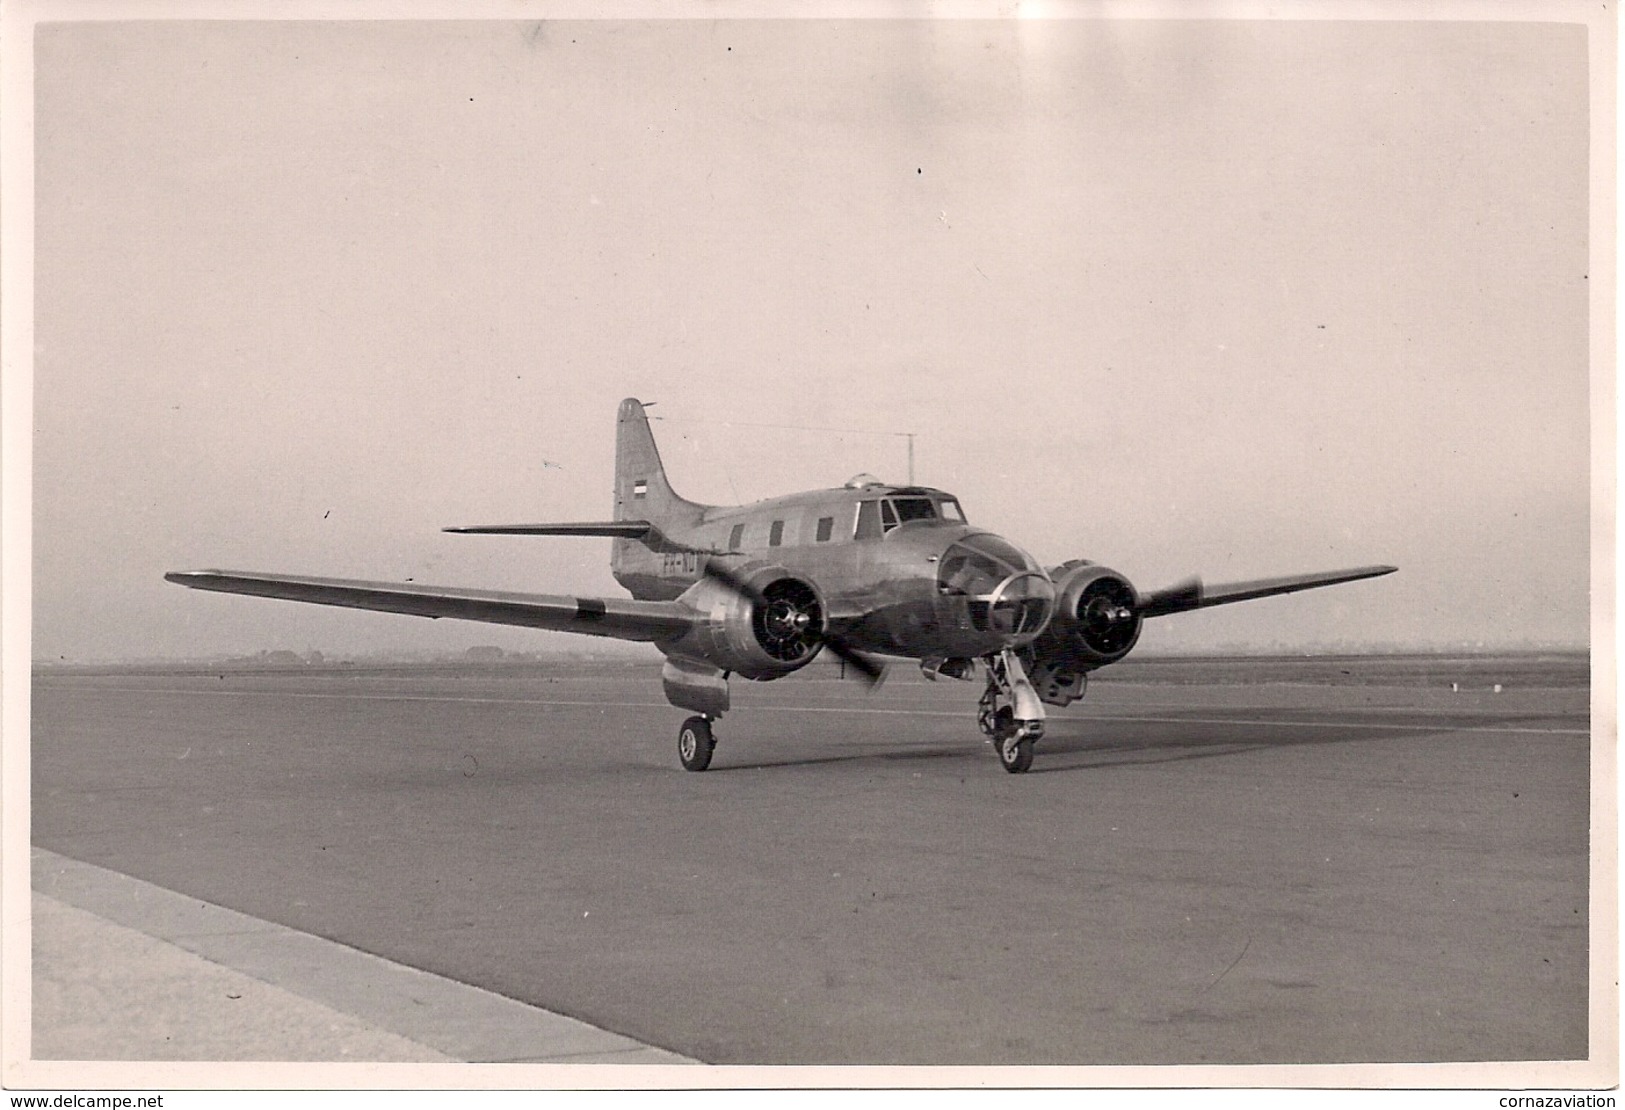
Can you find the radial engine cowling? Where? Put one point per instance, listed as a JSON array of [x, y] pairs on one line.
[[1097, 618], [773, 626]]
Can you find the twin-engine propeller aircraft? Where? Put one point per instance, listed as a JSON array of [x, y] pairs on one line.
[[758, 590]]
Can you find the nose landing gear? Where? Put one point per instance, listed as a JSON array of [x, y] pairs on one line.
[[1010, 714]]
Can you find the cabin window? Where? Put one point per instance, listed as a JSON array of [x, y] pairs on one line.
[[775, 535], [736, 537], [826, 525], [888, 516], [950, 510], [913, 508], [868, 521]]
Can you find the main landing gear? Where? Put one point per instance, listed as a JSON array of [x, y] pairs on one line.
[[1010, 714], [695, 744]]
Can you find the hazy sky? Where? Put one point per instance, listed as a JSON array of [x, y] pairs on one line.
[[1229, 297]]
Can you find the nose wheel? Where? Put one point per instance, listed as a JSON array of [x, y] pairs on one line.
[[695, 744], [1010, 713], [1015, 753]]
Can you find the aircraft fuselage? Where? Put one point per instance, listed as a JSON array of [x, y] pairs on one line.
[[900, 570]]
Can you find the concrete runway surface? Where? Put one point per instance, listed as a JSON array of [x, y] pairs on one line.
[[1271, 861], [124, 970]]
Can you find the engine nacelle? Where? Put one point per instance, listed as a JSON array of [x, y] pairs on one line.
[[1097, 621], [771, 628]]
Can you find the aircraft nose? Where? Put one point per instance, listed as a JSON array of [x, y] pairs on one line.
[[1022, 606], [994, 590]]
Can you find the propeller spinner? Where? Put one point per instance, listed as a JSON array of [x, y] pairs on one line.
[[1111, 611]]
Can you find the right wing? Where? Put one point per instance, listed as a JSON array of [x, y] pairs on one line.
[[1192, 594], [624, 529], [624, 619], [641, 530]]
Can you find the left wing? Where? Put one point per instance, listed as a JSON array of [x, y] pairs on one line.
[[624, 619], [1193, 595]]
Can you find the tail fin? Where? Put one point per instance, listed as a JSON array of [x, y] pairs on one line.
[[641, 489]]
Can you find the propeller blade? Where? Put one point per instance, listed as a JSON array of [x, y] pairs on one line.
[[867, 669], [735, 583], [1175, 599]]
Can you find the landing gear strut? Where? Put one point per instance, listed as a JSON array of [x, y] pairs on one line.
[[695, 744], [1010, 714]]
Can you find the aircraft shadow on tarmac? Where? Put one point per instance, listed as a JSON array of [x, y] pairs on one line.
[[1102, 744], [1178, 743], [1166, 743]]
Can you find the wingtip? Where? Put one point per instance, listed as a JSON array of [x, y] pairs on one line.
[[188, 577]]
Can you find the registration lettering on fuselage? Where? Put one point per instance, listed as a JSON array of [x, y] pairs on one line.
[[679, 564]]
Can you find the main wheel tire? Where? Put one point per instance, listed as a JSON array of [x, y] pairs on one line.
[[695, 744], [1015, 753]]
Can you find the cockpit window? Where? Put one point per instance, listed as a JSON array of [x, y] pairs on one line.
[[914, 508], [868, 527], [876, 518]]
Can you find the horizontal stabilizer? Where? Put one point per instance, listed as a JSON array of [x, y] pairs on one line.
[[1194, 595], [623, 529], [621, 618]]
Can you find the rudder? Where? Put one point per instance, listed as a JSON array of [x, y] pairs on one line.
[[641, 489]]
